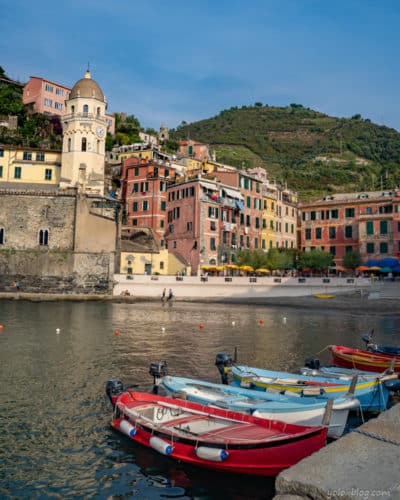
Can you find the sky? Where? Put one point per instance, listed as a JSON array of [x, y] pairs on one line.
[[173, 61]]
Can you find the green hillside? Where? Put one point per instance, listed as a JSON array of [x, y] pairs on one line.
[[311, 152]]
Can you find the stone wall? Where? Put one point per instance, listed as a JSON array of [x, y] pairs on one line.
[[56, 271]]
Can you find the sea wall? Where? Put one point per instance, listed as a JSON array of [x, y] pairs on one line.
[[236, 287], [361, 464]]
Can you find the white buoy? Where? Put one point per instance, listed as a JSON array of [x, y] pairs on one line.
[[284, 319], [57, 331], [163, 329], [233, 323]]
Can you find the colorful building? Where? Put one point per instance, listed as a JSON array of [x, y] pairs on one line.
[[203, 222], [368, 222], [194, 149], [21, 165], [144, 191]]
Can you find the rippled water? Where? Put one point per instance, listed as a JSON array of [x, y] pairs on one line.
[[55, 438]]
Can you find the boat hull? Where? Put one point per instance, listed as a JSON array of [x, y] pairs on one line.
[[363, 360], [372, 394], [308, 411], [245, 453]]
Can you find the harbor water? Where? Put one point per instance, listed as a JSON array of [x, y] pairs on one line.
[[55, 358]]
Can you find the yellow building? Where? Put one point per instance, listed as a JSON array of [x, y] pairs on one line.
[[22, 165], [162, 262], [269, 217]]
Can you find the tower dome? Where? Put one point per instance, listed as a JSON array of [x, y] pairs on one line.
[[86, 87]]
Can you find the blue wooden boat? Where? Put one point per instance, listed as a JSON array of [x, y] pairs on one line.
[[372, 346], [346, 374], [290, 408], [371, 392]]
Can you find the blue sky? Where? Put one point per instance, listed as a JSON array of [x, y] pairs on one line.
[[168, 61]]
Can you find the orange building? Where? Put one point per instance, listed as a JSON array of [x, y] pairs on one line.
[[367, 222]]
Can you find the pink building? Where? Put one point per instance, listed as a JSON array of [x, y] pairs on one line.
[[194, 149], [203, 218], [45, 96]]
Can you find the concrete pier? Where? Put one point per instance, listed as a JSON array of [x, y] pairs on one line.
[[364, 463]]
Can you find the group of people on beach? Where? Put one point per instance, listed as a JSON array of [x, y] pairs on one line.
[[166, 297]]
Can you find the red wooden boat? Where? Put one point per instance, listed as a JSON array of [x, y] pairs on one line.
[[363, 360], [214, 438]]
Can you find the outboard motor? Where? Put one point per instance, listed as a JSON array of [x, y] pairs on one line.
[[114, 388], [312, 363], [369, 341], [157, 371], [223, 361]]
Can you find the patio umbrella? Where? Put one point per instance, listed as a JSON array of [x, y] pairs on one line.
[[261, 270], [386, 270], [234, 267], [374, 268], [246, 269], [362, 268]]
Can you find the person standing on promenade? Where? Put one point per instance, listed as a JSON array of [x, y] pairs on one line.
[[170, 295], [163, 295]]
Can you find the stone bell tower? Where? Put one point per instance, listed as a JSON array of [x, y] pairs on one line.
[[84, 137]]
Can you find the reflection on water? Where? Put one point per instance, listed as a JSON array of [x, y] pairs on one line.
[[55, 439]]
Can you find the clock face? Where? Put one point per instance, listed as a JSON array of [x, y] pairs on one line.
[[100, 131]]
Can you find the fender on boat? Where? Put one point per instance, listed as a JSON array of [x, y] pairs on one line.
[[127, 428], [161, 446], [213, 454]]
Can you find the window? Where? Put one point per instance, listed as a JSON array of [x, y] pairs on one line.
[[136, 171], [332, 250], [72, 109], [368, 210], [264, 224], [370, 248], [83, 144], [348, 249], [213, 226], [255, 242], [1, 152], [212, 244], [370, 227], [85, 109], [43, 237], [144, 187], [135, 187], [248, 202], [332, 233], [134, 222], [48, 102], [312, 215], [39, 156], [48, 87], [348, 231], [145, 206], [17, 172], [257, 222], [308, 234], [398, 224], [69, 145], [161, 223], [163, 205], [286, 227], [60, 91], [318, 233], [58, 105], [383, 247], [335, 213], [161, 265], [248, 220], [48, 174], [349, 212], [383, 227], [1, 171], [1, 236], [134, 206], [27, 156], [189, 226]]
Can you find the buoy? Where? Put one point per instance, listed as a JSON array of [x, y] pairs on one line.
[[1, 327], [284, 320], [116, 333], [213, 454], [57, 331], [201, 326], [163, 329], [260, 321], [161, 446], [233, 323], [127, 428]]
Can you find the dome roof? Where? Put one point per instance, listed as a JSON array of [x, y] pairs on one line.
[[86, 87]]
